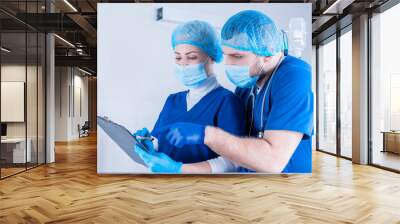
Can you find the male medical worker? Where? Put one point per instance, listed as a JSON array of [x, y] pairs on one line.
[[279, 102]]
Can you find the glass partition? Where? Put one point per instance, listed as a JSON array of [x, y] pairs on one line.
[[22, 77], [31, 100], [14, 153]]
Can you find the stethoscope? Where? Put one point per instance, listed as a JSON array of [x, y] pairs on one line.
[[260, 133]]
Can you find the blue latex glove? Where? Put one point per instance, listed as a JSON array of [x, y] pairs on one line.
[[181, 134], [144, 132], [159, 162]]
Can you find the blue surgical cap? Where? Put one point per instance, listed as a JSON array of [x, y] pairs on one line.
[[253, 31], [200, 34]]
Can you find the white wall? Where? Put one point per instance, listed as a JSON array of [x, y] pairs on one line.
[[135, 61], [17, 73], [61, 103], [68, 81], [81, 82], [14, 73]]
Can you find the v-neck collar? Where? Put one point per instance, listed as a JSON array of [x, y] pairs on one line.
[[200, 102], [200, 92]]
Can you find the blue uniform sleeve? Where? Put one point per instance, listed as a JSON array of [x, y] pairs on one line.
[[292, 101], [231, 116]]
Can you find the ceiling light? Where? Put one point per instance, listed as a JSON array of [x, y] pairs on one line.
[[337, 7], [84, 71], [70, 5], [5, 50], [65, 41]]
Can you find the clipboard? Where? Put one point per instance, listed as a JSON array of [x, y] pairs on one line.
[[122, 137]]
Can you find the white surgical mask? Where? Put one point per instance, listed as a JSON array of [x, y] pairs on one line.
[[191, 75], [240, 76]]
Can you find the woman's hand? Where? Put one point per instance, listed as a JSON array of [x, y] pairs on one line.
[[159, 162], [143, 135]]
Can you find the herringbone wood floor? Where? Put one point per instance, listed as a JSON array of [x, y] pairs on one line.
[[70, 191]]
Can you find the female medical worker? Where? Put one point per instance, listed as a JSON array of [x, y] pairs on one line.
[[197, 46], [279, 101]]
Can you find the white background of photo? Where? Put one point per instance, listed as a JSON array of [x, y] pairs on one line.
[[136, 62]]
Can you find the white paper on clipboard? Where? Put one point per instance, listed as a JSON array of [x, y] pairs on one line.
[[121, 136]]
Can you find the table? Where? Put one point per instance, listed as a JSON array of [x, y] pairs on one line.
[[16, 147], [391, 141]]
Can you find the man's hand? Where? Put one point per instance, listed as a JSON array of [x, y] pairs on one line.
[[181, 134]]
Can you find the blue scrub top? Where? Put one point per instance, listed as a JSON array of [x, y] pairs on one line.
[[289, 105], [220, 108]]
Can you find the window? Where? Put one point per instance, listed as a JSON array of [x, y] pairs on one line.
[[327, 97], [346, 93]]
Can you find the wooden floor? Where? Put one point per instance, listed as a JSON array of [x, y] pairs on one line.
[[70, 191]]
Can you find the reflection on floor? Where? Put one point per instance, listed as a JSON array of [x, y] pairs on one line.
[[386, 159], [10, 169], [346, 152]]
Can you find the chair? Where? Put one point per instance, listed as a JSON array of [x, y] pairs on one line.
[[84, 130]]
